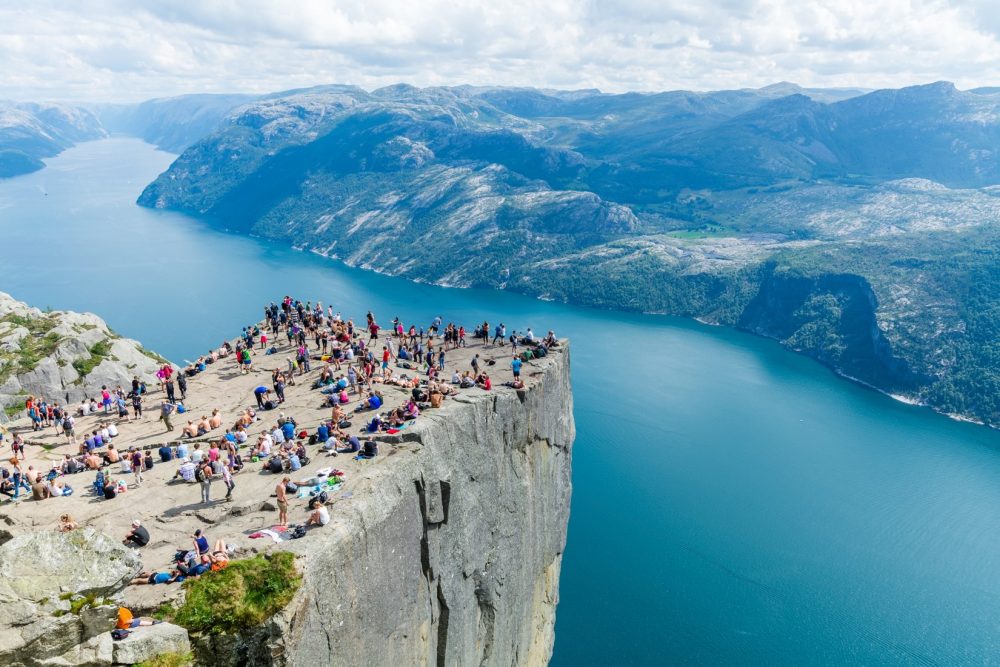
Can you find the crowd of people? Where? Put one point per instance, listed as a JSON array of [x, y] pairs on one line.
[[345, 363]]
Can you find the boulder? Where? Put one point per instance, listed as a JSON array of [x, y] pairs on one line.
[[148, 642], [37, 571], [44, 564]]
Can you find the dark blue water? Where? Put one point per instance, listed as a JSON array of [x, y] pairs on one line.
[[733, 503]]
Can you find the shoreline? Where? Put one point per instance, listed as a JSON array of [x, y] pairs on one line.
[[906, 400]]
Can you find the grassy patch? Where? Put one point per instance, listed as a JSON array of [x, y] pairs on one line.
[[13, 410], [165, 612], [99, 351], [243, 595], [38, 344], [78, 603], [169, 660]]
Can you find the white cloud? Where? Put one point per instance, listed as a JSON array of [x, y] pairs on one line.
[[119, 50]]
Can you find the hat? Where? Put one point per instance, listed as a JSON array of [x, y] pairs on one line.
[[186, 459], [135, 522]]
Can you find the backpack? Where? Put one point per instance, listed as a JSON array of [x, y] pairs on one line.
[[67, 424], [199, 474], [118, 634]]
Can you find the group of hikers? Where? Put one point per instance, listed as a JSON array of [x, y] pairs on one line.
[[311, 348]]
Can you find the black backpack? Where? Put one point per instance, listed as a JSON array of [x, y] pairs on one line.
[[199, 474]]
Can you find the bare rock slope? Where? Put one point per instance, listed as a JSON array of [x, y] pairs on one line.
[[63, 355]]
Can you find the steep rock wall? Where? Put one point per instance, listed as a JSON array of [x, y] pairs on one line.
[[451, 550], [832, 318]]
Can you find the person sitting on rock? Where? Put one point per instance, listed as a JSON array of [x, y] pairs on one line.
[[215, 421], [484, 382], [66, 524], [40, 490], [318, 514], [186, 470], [203, 425], [138, 536]]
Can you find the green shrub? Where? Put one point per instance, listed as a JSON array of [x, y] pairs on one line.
[[243, 595], [99, 351], [169, 660]]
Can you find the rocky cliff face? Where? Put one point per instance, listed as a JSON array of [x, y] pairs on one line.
[[451, 553], [63, 356]]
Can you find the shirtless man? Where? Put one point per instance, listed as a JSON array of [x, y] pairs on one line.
[[191, 431], [203, 425], [282, 495], [216, 419]]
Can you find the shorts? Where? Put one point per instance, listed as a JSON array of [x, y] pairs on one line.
[[283, 505]]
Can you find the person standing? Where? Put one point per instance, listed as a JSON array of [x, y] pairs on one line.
[[167, 409], [137, 467], [282, 495], [515, 365], [182, 384], [203, 475], [18, 478], [227, 479]]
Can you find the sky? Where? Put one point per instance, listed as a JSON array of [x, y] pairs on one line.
[[122, 50]]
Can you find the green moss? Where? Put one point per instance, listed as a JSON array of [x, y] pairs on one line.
[[84, 602], [13, 411], [243, 595], [99, 351], [40, 342], [169, 660]]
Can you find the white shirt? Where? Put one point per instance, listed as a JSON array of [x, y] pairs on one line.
[[112, 430], [197, 456], [324, 515], [277, 436]]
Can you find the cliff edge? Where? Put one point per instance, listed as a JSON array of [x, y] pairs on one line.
[[451, 551]]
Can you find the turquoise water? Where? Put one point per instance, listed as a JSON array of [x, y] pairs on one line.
[[733, 503]]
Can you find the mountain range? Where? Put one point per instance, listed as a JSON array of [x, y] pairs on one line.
[[857, 227], [30, 132]]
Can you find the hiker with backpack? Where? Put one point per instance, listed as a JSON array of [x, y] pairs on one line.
[[203, 475]]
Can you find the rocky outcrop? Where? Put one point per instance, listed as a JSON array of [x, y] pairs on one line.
[[148, 642], [40, 574], [59, 595], [63, 356], [448, 553]]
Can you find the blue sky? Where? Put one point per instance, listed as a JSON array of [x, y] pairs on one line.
[[116, 50]]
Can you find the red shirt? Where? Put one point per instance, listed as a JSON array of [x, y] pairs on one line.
[[385, 355]]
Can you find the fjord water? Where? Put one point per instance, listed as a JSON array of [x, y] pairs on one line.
[[733, 503]]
